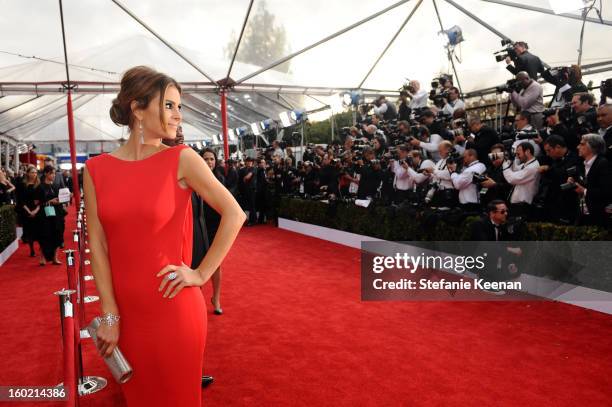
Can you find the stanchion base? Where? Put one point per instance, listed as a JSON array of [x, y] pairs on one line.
[[85, 334], [91, 298], [89, 385], [88, 278]]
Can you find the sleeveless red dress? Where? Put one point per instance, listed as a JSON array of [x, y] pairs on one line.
[[146, 217]]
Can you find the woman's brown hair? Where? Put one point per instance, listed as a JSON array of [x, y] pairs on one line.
[[141, 84]]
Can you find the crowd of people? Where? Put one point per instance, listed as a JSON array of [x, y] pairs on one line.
[[40, 199], [546, 164]]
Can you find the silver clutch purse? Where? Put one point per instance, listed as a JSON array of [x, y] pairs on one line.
[[116, 362]]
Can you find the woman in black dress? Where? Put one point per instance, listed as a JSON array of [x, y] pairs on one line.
[[6, 189], [206, 223], [51, 217], [29, 207]]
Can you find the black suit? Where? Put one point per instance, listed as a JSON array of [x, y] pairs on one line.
[[484, 139], [608, 139], [483, 230], [529, 63], [598, 185]]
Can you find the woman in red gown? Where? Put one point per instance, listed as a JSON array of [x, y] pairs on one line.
[[137, 204]]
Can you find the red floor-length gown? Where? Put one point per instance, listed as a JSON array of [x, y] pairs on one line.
[[145, 215]]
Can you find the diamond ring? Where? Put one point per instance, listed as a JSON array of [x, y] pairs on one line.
[[172, 276]]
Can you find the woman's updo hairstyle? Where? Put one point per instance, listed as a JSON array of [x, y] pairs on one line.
[[141, 84]]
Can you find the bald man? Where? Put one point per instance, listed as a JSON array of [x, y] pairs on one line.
[[530, 98], [604, 119]]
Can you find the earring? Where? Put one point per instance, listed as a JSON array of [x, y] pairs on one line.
[[141, 133]]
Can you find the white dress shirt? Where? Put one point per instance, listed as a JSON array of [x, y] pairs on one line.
[[402, 180], [421, 177], [468, 192], [442, 175], [431, 147], [450, 107], [525, 178], [419, 100]]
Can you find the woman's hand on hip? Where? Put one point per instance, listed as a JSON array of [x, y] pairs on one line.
[[175, 278]]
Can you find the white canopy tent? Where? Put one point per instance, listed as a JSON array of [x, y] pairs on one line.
[[332, 47]]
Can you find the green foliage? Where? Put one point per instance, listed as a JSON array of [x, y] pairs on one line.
[[8, 226], [320, 132], [263, 41], [409, 224]]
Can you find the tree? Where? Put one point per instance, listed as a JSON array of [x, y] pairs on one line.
[[263, 42]]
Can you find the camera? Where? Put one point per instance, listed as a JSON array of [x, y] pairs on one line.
[[572, 172], [431, 192], [527, 134], [565, 113], [478, 178], [507, 51], [496, 156], [510, 86], [606, 90]]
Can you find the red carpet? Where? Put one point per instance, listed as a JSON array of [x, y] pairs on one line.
[[295, 333]]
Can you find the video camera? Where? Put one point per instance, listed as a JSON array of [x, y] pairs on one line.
[[565, 113], [510, 86], [507, 51]]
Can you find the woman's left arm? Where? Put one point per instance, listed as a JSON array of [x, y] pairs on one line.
[[194, 172]]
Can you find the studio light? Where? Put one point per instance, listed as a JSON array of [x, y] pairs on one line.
[[255, 129], [298, 115]]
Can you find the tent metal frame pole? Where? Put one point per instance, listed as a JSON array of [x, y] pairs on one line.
[[233, 116], [166, 43], [71, 136], [382, 54], [322, 41], [224, 127], [478, 20], [20, 104], [547, 11], [448, 52], [273, 101], [246, 20]]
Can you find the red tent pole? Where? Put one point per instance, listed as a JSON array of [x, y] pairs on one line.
[[224, 126], [75, 175]]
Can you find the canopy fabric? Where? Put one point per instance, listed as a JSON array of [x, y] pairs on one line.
[[103, 41]]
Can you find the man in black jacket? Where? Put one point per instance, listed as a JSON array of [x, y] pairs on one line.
[[595, 186], [604, 119], [484, 138], [247, 184], [558, 205], [525, 61]]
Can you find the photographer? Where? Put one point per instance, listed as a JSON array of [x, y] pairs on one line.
[[524, 61], [530, 98], [402, 182], [464, 181], [559, 205], [524, 129], [370, 175], [554, 126], [427, 142], [444, 193], [484, 138], [495, 186], [419, 169], [247, 185], [584, 119], [329, 175], [595, 186], [604, 119], [427, 118], [404, 111], [567, 81], [418, 97], [379, 146], [453, 102], [524, 175], [384, 110]]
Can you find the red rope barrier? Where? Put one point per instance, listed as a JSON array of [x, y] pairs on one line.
[[70, 376]]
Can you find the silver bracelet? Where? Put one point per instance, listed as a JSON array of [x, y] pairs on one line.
[[109, 319]]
